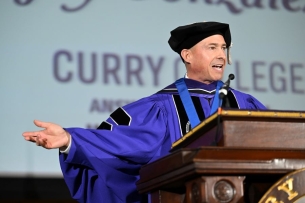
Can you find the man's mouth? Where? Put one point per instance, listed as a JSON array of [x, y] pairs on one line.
[[218, 66]]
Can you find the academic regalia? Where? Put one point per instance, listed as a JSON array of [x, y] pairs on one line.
[[103, 164]]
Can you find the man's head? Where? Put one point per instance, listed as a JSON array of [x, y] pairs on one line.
[[202, 46]]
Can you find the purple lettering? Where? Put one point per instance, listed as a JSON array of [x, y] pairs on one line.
[[236, 8], [66, 8], [94, 106], [286, 4], [206, 1], [155, 69], [257, 76], [107, 105], [282, 80], [230, 6], [136, 71], [256, 3], [92, 126], [22, 3], [237, 74], [295, 78], [273, 5], [81, 68], [56, 67], [111, 70]]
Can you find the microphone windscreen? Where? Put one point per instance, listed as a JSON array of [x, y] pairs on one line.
[[231, 76]]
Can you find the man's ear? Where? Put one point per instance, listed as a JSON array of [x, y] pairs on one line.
[[186, 55]]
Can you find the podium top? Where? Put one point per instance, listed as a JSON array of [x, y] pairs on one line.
[[239, 115]]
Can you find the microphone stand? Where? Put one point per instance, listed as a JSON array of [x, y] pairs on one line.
[[222, 94]]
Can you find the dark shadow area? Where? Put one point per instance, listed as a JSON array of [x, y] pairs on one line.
[[34, 190]]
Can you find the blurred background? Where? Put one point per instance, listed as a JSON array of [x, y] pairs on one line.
[[73, 62]]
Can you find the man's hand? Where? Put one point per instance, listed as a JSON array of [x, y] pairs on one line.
[[51, 137]]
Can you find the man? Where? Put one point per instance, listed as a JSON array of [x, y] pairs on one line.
[[102, 165]]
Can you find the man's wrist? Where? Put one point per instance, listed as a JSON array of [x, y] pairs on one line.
[[66, 148]]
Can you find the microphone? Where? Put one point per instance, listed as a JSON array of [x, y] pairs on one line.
[[224, 89], [222, 93]]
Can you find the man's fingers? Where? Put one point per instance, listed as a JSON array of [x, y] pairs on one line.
[[31, 141], [29, 134], [36, 139], [41, 124], [39, 141], [43, 142], [35, 133]]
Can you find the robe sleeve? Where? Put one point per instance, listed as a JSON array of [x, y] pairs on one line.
[[103, 164], [253, 103], [247, 101]]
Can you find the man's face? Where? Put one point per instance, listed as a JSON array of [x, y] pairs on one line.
[[207, 59]]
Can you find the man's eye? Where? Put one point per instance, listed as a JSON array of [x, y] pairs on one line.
[[224, 48], [212, 48]]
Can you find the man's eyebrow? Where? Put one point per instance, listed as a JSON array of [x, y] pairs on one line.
[[217, 44]]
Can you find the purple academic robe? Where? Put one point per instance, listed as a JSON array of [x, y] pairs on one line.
[[103, 164]]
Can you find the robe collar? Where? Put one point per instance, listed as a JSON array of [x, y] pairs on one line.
[[193, 86]]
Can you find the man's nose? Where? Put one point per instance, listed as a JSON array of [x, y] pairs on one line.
[[222, 54]]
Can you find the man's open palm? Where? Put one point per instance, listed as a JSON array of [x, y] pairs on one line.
[[52, 136]]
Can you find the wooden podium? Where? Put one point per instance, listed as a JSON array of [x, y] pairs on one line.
[[254, 150]]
